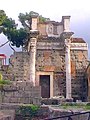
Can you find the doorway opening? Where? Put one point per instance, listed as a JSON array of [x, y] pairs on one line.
[[44, 82]]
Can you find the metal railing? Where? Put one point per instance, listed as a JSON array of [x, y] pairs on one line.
[[70, 117]]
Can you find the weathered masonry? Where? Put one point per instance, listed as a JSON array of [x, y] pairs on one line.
[[57, 61]]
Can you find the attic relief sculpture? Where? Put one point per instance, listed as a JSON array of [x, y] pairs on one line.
[[50, 29]]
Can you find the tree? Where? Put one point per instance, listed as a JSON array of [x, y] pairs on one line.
[[3, 17], [18, 37], [43, 19], [8, 27]]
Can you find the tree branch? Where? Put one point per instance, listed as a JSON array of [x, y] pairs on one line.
[[4, 44], [12, 47]]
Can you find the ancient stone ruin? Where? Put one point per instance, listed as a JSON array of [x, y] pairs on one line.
[[54, 65]]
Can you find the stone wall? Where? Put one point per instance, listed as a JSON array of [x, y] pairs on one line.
[[88, 82], [53, 61], [19, 65], [21, 92], [79, 64], [50, 58], [6, 72]]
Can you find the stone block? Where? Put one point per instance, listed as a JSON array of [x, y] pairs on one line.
[[10, 88], [28, 88], [13, 100], [16, 94], [30, 100], [36, 88], [9, 94], [26, 100], [80, 56], [49, 68], [29, 84], [73, 68], [46, 54], [21, 100], [30, 93], [24, 94], [36, 94], [6, 99], [36, 100], [21, 84]]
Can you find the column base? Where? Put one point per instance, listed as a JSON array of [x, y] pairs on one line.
[[69, 99]]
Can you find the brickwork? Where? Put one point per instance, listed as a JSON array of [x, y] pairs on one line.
[[79, 64], [54, 61]]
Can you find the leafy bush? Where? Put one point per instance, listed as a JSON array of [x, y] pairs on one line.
[[29, 110], [5, 82]]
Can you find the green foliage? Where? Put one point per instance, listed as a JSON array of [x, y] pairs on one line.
[[9, 23], [17, 37], [2, 17], [1, 77], [29, 110], [87, 107], [43, 19], [8, 27], [71, 106], [5, 82], [25, 19]]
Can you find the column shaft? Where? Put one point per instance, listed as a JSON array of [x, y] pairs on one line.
[[68, 71], [32, 60]]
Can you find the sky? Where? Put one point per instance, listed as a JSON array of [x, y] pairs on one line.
[[79, 10]]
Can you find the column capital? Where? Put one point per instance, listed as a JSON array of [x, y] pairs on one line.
[[34, 33], [66, 35]]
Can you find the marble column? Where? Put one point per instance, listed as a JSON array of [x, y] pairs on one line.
[[68, 69], [66, 37], [32, 46], [33, 42]]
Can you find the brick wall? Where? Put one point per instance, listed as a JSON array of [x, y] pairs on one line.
[[79, 64]]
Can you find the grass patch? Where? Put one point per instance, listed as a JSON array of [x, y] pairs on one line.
[[29, 110], [75, 106]]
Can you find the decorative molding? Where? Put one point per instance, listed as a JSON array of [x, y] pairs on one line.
[[79, 46], [51, 45], [59, 46]]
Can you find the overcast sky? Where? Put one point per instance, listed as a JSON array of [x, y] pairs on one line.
[[79, 10]]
